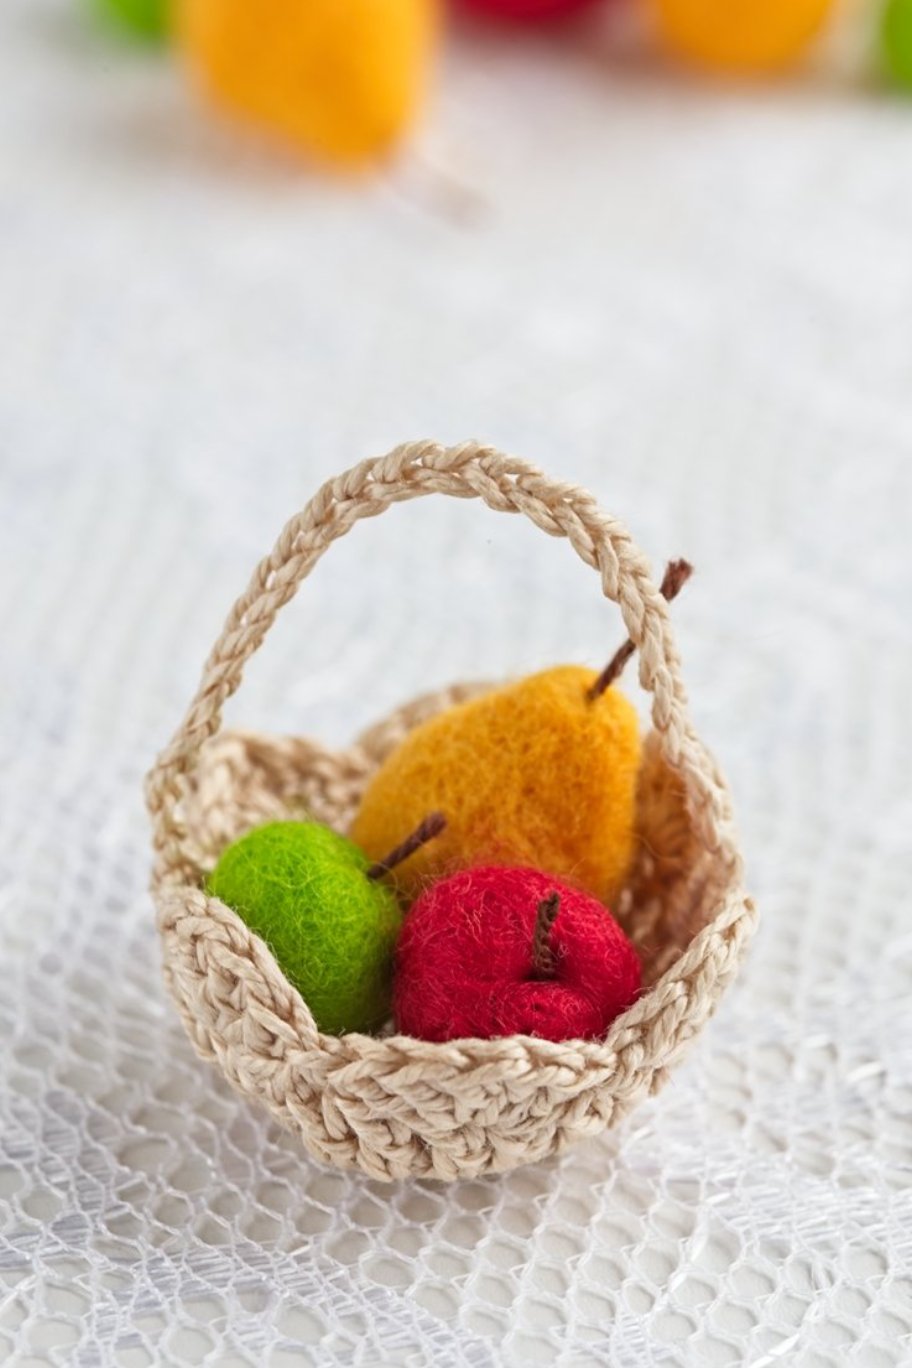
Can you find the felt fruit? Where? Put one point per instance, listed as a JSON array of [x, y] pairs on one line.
[[542, 772], [145, 18], [528, 11], [741, 35], [536, 773], [321, 907], [340, 79], [495, 952], [896, 41]]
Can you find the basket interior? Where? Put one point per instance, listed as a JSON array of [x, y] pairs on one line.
[[244, 779]]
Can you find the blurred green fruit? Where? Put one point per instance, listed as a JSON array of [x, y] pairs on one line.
[[145, 18], [896, 40]]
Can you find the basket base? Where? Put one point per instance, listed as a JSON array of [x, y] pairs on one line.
[[394, 1106]]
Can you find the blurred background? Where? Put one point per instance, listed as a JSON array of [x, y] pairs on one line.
[[686, 287]]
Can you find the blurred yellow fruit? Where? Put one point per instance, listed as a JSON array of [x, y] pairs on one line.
[[341, 79], [741, 35]]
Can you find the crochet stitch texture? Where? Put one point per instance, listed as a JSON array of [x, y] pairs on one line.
[[397, 1106]]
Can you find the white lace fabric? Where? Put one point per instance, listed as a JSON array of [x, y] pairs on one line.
[[694, 302]]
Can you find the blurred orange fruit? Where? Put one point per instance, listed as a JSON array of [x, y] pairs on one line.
[[341, 79], [741, 35]]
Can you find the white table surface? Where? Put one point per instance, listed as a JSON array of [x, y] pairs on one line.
[[699, 303]]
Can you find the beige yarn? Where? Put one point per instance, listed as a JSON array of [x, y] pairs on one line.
[[396, 1106]]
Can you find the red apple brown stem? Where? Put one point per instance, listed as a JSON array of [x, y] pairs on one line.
[[432, 826], [543, 962], [676, 576]]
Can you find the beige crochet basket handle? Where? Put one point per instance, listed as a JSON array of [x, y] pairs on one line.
[[396, 1106]]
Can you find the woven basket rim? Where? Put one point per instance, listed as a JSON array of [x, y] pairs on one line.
[[394, 1105], [365, 756]]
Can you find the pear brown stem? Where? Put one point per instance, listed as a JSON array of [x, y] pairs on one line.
[[543, 962], [676, 576], [429, 828]]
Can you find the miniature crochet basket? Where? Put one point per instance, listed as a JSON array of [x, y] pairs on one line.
[[396, 1106]]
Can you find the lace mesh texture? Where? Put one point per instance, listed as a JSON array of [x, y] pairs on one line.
[[735, 379]]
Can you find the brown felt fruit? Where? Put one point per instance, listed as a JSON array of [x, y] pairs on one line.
[[534, 774]]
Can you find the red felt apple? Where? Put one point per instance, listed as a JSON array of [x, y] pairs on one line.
[[495, 952], [528, 11]]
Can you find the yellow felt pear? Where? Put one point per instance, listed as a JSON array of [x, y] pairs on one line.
[[338, 79], [541, 773]]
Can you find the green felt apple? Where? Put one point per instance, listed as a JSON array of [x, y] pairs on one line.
[[896, 41], [325, 913], [147, 19]]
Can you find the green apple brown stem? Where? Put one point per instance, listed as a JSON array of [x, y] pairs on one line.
[[432, 826], [676, 576]]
